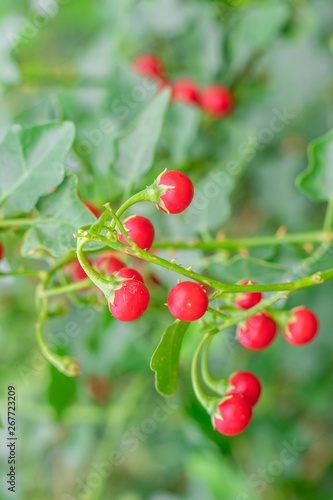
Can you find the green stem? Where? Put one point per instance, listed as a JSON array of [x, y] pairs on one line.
[[65, 364], [72, 287], [217, 313], [117, 223], [311, 280], [20, 222], [152, 193], [230, 309], [253, 242], [147, 194], [207, 402], [242, 316], [218, 386], [93, 275], [24, 273]]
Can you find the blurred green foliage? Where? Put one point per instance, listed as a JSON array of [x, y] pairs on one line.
[[108, 434]]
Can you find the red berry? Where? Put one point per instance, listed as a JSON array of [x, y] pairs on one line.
[[75, 271], [186, 90], [1, 251], [180, 194], [148, 65], [129, 273], [93, 209], [108, 263], [140, 230], [247, 384], [234, 416], [246, 300], [302, 328], [217, 101], [188, 301], [130, 301], [258, 332]]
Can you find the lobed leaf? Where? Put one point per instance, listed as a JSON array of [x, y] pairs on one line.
[[317, 180], [61, 213], [135, 148], [32, 162]]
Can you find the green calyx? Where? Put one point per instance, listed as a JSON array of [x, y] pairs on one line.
[[157, 190], [216, 414], [152, 193], [282, 318]]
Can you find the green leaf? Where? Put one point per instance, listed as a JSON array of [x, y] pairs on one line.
[[61, 213], [317, 180], [32, 162], [135, 148], [61, 391], [166, 357], [182, 126], [257, 27]]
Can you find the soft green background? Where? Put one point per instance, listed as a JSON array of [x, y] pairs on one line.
[[74, 65]]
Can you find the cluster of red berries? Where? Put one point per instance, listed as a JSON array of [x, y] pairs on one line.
[[260, 330], [188, 301], [234, 412], [1, 251], [215, 100], [131, 299]]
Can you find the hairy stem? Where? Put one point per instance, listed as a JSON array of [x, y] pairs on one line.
[[242, 316], [311, 280]]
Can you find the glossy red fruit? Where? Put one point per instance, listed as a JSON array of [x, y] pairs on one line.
[[140, 230], [234, 415], [217, 101], [186, 91], [1, 251], [108, 263], [93, 209], [130, 301], [129, 273], [303, 326], [246, 300], [258, 332], [188, 301], [247, 384], [149, 65], [180, 194]]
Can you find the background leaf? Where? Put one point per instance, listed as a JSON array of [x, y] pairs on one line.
[[61, 391], [166, 357], [32, 162], [256, 28], [61, 213], [10, 29], [136, 147], [317, 180], [182, 127]]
